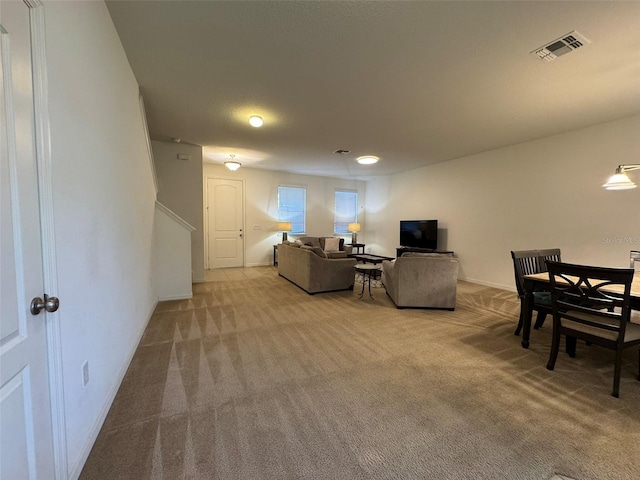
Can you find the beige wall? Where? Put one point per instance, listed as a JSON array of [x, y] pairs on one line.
[[539, 194], [179, 189], [261, 206]]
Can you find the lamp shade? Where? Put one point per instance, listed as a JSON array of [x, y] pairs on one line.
[[284, 226], [619, 181], [233, 166], [353, 227]]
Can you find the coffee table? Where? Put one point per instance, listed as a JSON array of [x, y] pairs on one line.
[[368, 272], [368, 258]]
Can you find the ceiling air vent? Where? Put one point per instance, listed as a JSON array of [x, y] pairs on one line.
[[565, 44]]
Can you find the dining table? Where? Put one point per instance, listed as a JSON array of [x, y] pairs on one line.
[[540, 282]]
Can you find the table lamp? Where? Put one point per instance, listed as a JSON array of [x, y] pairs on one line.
[[284, 227], [354, 228]]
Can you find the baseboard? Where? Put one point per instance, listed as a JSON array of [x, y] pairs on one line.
[[185, 296], [76, 470], [268, 264], [509, 288]]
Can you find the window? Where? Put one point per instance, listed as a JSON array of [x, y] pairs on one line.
[[346, 210], [292, 207]]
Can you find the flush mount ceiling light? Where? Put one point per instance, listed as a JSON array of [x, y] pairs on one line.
[[620, 180], [256, 121], [368, 160], [232, 164]]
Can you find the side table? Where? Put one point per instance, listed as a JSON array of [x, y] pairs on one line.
[[357, 247], [275, 255], [368, 272]]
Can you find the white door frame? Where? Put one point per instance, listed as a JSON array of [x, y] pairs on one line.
[[47, 232], [206, 218]]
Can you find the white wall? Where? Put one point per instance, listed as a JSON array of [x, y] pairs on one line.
[[179, 188], [172, 255], [540, 194], [103, 202], [261, 206]]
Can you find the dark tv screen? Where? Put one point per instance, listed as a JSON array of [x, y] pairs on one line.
[[419, 234]]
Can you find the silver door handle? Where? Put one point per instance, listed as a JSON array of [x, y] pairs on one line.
[[50, 304]]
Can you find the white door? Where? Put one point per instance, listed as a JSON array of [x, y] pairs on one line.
[[225, 229], [26, 443]]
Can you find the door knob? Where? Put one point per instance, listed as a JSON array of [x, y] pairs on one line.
[[50, 304]]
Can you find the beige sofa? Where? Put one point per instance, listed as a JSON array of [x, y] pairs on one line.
[[310, 269], [425, 280]]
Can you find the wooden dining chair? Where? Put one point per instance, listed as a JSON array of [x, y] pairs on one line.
[[634, 259], [584, 307], [527, 262]]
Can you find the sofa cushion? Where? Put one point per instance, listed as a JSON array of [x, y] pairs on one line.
[[331, 244], [320, 252], [336, 254], [311, 241]]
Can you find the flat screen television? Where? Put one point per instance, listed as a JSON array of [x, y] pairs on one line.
[[419, 234]]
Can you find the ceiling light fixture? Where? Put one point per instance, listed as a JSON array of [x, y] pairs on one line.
[[368, 160], [620, 180], [256, 121], [232, 164]]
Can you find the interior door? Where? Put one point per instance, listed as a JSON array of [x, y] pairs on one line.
[[26, 443], [225, 229]]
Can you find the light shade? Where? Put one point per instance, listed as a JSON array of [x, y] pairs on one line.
[[367, 160], [620, 180], [353, 227], [232, 165], [256, 121]]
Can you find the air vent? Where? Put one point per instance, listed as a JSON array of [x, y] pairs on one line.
[[561, 46], [342, 151]]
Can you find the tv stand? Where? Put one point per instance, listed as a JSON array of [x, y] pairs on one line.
[[401, 250]]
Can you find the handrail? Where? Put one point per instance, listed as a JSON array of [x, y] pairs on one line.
[[174, 216]]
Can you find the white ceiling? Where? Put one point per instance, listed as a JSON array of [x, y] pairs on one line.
[[415, 83]]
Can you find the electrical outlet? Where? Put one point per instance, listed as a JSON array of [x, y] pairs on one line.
[[85, 373]]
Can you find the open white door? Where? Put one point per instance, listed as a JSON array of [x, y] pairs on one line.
[[26, 441], [225, 230]]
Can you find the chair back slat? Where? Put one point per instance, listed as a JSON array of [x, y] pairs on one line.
[[551, 254], [634, 259], [524, 263]]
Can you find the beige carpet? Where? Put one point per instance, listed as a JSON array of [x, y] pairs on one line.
[[255, 379]]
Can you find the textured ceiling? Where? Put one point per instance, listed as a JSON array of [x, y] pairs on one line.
[[415, 83]]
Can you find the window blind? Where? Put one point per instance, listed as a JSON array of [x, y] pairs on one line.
[[292, 207], [346, 210]]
